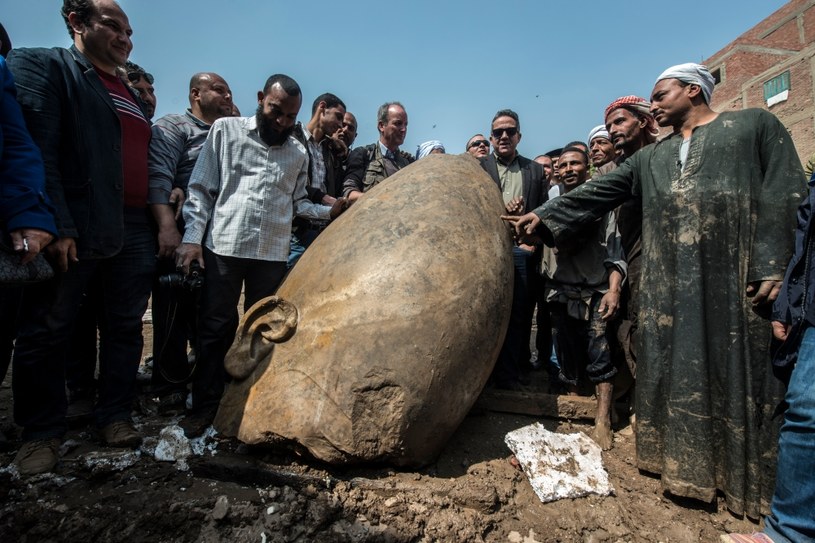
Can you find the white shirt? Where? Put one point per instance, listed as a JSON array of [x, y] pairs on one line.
[[243, 194]]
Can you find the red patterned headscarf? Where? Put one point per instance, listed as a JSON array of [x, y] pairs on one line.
[[637, 105]]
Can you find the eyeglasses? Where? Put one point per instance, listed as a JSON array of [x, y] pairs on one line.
[[134, 77], [498, 132], [478, 143]]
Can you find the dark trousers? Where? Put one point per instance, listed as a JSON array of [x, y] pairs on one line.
[[175, 313], [9, 312], [81, 358], [515, 352], [47, 319], [582, 346], [223, 278]]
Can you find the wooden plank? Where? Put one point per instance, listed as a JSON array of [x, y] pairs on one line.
[[538, 404]]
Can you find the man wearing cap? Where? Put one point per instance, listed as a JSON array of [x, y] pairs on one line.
[[630, 127], [432, 147], [601, 151], [719, 196]]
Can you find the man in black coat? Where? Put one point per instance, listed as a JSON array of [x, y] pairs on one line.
[[523, 187], [94, 138]]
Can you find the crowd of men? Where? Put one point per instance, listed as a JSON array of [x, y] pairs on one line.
[[658, 257]]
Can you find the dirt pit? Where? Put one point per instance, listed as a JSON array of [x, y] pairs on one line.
[[230, 492]]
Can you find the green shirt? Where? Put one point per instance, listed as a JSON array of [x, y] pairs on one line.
[[512, 182]]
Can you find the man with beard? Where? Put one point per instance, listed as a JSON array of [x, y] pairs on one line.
[[142, 81], [631, 127], [177, 141], [719, 196], [348, 131], [249, 181], [369, 165]]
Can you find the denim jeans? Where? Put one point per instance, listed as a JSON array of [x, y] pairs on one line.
[[515, 352], [792, 512], [48, 316], [301, 239]]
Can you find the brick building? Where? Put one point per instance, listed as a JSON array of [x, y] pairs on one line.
[[772, 66]]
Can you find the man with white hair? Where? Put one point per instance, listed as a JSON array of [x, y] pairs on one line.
[[719, 197]]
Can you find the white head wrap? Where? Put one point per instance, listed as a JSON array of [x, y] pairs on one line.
[[425, 148], [690, 72], [598, 131]]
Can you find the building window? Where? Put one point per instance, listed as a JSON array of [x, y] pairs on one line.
[[717, 76], [777, 85]]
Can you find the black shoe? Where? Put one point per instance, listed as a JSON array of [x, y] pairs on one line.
[[172, 404], [196, 423]]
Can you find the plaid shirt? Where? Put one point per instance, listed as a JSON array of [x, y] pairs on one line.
[[243, 194]]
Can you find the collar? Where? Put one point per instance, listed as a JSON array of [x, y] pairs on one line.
[[500, 160], [196, 120], [384, 150], [308, 135], [80, 58]]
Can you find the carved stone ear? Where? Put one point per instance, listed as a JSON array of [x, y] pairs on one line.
[[271, 320]]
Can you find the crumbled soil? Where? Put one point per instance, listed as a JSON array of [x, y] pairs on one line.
[[237, 493]]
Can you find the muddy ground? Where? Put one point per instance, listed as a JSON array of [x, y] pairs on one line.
[[229, 492]]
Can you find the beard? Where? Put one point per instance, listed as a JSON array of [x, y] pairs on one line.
[[269, 134]]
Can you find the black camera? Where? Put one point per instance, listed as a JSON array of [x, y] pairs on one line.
[[193, 281]]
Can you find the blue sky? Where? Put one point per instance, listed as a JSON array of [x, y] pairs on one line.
[[452, 64]]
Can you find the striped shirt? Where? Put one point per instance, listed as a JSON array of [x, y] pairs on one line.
[[243, 194]]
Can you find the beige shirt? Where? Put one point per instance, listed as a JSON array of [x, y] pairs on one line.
[[512, 181]]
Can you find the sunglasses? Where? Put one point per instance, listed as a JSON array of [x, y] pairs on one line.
[[498, 132], [134, 77], [478, 143]]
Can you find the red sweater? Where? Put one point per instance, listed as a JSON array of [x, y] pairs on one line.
[[135, 141]]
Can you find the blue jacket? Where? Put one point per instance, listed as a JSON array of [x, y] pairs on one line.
[[797, 292], [72, 119], [23, 203]]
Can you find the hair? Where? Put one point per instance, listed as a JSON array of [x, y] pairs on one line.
[[508, 113], [84, 9], [5, 41], [571, 149], [553, 153], [133, 68], [330, 100], [541, 156], [382, 112], [288, 84]]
